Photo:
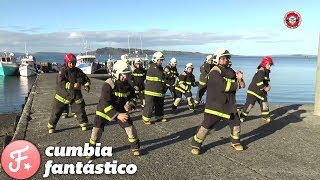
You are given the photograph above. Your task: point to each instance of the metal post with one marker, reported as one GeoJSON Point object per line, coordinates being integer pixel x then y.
{"type": "Point", "coordinates": [317, 96]}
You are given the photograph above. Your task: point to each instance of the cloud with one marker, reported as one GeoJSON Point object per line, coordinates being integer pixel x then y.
{"type": "Point", "coordinates": [73, 41]}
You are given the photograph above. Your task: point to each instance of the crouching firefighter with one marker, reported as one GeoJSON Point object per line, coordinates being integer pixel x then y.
{"type": "Point", "coordinates": [68, 91]}
{"type": "Point", "coordinates": [138, 78]}
{"type": "Point", "coordinates": [257, 90]}
{"type": "Point", "coordinates": [116, 100]}
{"type": "Point", "coordinates": [222, 85]}
{"type": "Point", "coordinates": [183, 86]}
{"type": "Point", "coordinates": [204, 70]}
{"type": "Point", "coordinates": [154, 92]}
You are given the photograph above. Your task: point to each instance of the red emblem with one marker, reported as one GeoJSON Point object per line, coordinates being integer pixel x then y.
{"type": "Point", "coordinates": [292, 19]}
{"type": "Point", "coordinates": [20, 159]}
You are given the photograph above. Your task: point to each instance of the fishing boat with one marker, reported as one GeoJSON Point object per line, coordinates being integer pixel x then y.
{"type": "Point", "coordinates": [87, 63]}
{"type": "Point", "coordinates": [8, 64]}
{"type": "Point", "coordinates": [28, 66]}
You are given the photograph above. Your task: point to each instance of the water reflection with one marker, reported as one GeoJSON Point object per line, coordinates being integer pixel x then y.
{"type": "Point", "coordinates": [13, 90]}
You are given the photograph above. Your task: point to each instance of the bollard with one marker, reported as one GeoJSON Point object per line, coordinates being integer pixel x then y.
{"type": "Point", "coordinates": [317, 96]}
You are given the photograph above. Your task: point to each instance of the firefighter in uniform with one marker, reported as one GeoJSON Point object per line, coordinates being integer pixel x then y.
{"type": "Point", "coordinates": [257, 90]}
{"type": "Point", "coordinates": [154, 92]}
{"type": "Point", "coordinates": [171, 73]}
{"type": "Point", "coordinates": [183, 86]}
{"type": "Point", "coordinates": [222, 85]}
{"type": "Point", "coordinates": [138, 78]}
{"type": "Point", "coordinates": [116, 100]}
{"type": "Point", "coordinates": [204, 70]}
{"type": "Point", "coordinates": [68, 91]}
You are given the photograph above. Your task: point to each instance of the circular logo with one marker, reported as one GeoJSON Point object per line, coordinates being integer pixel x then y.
{"type": "Point", "coordinates": [292, 19]}
{"type": "Point", "coordinates": [20, 159]}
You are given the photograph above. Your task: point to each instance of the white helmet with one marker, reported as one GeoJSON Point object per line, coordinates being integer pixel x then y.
{"type": "Point", "coordinates": [209, 58]}
{"type": "Point", "coordinates": [173, 61]}
{"type": "Point", "coordinates": [220, 53]}
{"type": "Point", "coordinates": [189, 65]}
{"type": "Point", "coordinates": [138, 61]}
{"type": "Point", "coordinates": [120, 67]}
{"type": "Point", "coordinates": [124, 57]}
{"type": "Point", "coordinates": [157, 56]}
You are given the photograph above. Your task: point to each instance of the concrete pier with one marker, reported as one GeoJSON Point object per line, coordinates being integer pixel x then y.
{"type": "Point", "coordinates": [287, 148]}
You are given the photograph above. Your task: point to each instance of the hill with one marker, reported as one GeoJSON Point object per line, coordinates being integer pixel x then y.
{"type": "Point", "coordinates": [118, 51]}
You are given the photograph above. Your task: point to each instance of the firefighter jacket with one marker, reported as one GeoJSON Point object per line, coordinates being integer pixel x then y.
{"type": "Point", "coordinates": [204, 70]}
{"type": "Point", "coordinates": [171, 75]}
{"type": "Point", "coordinates": [138, 77]}
{"type": "Point", "coordinates": [155, 82]}
{"type": "Point", "coordinates": [185, 81]}
{"type": "Point", "coordinates": [259, 81]}
{"type": "Point", "coordinates": [221, 91]}
{"type": "Point", "coordinates": [65, 92]}
{"type": "Point", "coordinates": [114, 95]}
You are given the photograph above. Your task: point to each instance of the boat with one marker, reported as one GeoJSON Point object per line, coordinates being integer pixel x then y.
{"type": "Point", "coordinates": [87, 63]}
{"type": "Point", "coordinates": [8, 64]}
{"type": "Point", "coordinates": [28, 66]}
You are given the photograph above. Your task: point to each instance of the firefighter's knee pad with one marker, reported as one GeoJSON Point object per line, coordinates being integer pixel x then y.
{"type": "Point", "coordinates": [95, 135]}
{"type": "Point", "coordinates": [202, 132]}
{"type": "Point", "coordinates": [250, 106]}
{"type": "Point", "coordinates": [176, 101]}
{"type": "Point", "coordinates": [190, 101]}
{"type": "Point", "coordinates": [236, 130]}
{"type": "Point", "coordinates": [265, 106]}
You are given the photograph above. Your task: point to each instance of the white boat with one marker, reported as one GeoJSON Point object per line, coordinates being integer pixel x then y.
{"type": "Point", "coordinates": [8, 64]}
{"type": "Point", "coordinates": [28, 66]}
{"type": "Point", "coordinates": [87, 63]}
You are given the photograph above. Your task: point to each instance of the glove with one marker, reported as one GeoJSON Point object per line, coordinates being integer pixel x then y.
{"type": "Point", "coordinates": [196, 83]}
{"type": "Point", "coordinates": [87, 88]}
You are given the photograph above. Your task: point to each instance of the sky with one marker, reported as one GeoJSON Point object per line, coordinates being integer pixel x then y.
{"type": "Point", "coordinates": [243, 27]}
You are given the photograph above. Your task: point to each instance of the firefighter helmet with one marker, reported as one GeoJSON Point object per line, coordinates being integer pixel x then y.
{"type": "Point", "coordinates": [138, 61]}
{"type": "Point", "coordinates": [173, 61]}
{"type": "Point", "coordinates": [266, 60]}
{"type": "Point", "coordinates": [221, 52]}
{"type": "Point", "coordinates": [120, 67]}
{"type": "Point", "coordinates": [124, 57]}
{"type": "Point", "coordinates": [70, 58]}
{"type": "Point", "coordinates": [209, 58]}
{"type": "Point", "coordinates": [157, 56]}
{"type": "Point", "coordinates": [189, 65]}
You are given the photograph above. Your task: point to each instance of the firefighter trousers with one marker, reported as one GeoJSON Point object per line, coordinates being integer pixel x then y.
{"type": "Point", "coordinates": [200, 92]}
{"type": "Point", "coordinates": [172, 90]}
{"type": "Point", "coordinates": [140, 94]}
{"type": "Point", "coordinates": [153, 102]}
{"type": "Point", "coordinates": [250, 101]}
{"type": "Point", "coordinates": [210, 121]}
{"type": "Point", "coordinates": [59, 107]}
{"type": "Point", "coordinates": [98, 127]}
{"type": "Point", "coordinates": [178, 98]}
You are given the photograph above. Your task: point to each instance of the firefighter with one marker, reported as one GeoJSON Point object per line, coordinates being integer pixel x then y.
{"type": "Point", "coordinates": [183, 86]}
{"type": "Point", "coordinates": [171, 73]}
{"type": "Point", "coordinates": [258, 90]}
{"type": "Point", "coordinates": [154, 92]}
{"type": "Point", "coordinates": [68, 91]}
{"type": "Point", "coordinates": [138, 78]}
{"type": "Point", "coordinates": [116, 100]}
{"type": "Point", "coordinates": [222, 85]}
{"type": "Point", "coordinates": [204, 70]}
